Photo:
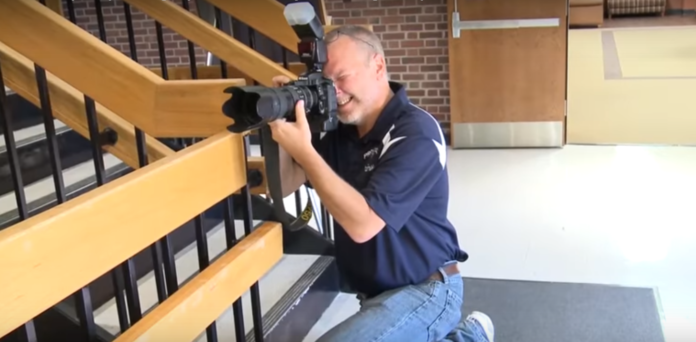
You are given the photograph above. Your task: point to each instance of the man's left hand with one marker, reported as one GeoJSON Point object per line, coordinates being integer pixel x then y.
{"type": "Point", "coordinates": [294, 137]}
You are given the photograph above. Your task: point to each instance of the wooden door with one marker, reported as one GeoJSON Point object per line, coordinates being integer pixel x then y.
{"type": "Point", "coordinates": [508, 73]}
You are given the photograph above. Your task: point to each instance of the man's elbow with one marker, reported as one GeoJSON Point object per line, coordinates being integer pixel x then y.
{"type": "Point", "coordinates": [365, 231]}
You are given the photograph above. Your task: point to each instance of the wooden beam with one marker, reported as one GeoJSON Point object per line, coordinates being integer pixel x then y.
{"type": "Point", "coordinates": [323, 13]}
{"type": "Point", "coordinates": [202, 300]}
{"type": "Point", "coordinates": [80, 59]}
{"type": "Point", "coordinates": [264, 16]}
{"type": "Point", "coordinates": [213, 72]}
{"type": "Point", "coordinates": [68, 106]}
{"type": "Point", "coordinates": [271, 24]}
{"type": "Point", "coordinates": [247, 60]}
{"type": "Point", "coordinates": [109, 77]}
{"type": "Point", "coordinates": [180, 107]}
{"type": "Point", "coordinates": [76, 242]}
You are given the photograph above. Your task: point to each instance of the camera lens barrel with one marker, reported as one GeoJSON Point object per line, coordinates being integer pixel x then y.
{"type": "Point", "coordinates": [252, 106]}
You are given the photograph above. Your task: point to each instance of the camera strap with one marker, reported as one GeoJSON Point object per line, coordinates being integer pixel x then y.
{"type": "Point", "coordinates": [271, 155]}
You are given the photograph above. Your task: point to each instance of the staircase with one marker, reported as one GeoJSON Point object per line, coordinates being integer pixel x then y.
{"type": "Point", "coordinates": [115, 161]}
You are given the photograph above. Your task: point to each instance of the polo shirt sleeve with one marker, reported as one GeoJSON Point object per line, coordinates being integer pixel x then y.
{"type": "Point", "coordinates": [407, 169]}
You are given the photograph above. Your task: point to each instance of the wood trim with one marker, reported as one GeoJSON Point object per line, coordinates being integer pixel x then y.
{"type": "Point", "coordinates": [76, 242]}
{"type": "Point", "coordinates": [68, 105]}
{"type": "Point", "coordinates": [203, 299]}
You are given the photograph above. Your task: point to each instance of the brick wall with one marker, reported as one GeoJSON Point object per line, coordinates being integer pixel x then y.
{"type": "Point", "coordinates": [414, 34]}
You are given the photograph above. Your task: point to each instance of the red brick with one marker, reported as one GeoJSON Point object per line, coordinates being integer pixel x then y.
{"type": "Point", "coordinates": [393, 20]}
{"type": "Point", "coordinates": [412, 43]}
{"type": "Point", "coordinates": [411, 10]}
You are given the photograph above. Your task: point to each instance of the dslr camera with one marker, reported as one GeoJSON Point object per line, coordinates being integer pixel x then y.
{"type": "Point", "coordinates": [252, 107]}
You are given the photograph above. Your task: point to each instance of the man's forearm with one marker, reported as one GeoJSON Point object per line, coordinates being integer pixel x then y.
{"type": "Point", "coordinates": [291, 174]}
{"type": "Point", "coordinates": [343, 202]}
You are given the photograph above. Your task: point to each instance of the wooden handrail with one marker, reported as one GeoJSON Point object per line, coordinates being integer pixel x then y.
{"type": "Point", "coordinates": [109, 77]}
{"type": "Point", "coordinates": [76, 242]}
{"type": "Point", "coordinates": [202, 300]}
{"type": "Point", "coordinates": [68, 106]}
{"type": "Point", "coordinates": [213, 72]}
{"type": "Point", "coordinates": [271, 23]}
{"type": "Point", "coordinates": [232, 51]}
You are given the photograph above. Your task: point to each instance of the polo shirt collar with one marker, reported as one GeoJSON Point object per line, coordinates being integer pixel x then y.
{"type": "Point", "coordinates": [387, 117]}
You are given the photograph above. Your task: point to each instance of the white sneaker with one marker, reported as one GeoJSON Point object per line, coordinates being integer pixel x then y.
{"type": "Point", "coordinates": [484, 322]}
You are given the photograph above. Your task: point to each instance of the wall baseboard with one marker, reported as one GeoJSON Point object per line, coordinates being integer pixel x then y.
{"type": "Point", "coordinates": [680, 11]}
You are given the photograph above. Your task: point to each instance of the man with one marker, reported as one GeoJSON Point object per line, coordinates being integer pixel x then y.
{"type": "Point", "coordinates": [383, 178]}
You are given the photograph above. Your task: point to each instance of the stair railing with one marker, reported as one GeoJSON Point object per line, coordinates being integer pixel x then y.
{"type": "Point", "coordinates": [52, 256]}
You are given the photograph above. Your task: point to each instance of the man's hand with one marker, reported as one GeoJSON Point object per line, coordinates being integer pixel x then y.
{"type": "Point", "coordinates": [294, 137]}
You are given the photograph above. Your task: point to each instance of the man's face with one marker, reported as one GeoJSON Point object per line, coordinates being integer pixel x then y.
{"type": "Point", "coordinates": [356, 73]}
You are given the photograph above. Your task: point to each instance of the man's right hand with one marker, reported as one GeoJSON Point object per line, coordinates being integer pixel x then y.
{"type": "Point", "coordinates": [292, 175]}
{"type": "Point", "coordinates": [280, 81]}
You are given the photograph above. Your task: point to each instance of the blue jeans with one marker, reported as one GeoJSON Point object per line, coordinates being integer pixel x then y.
{"type": "Point", "coordinates": [427, 312]}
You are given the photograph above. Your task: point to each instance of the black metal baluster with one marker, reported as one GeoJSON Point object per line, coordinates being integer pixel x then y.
{"type": "Point", "coordinates": [191, 49]}
{"type": "Point", "coordinates": [326, 222]}
{"type": "Point", "coordinates": [127, 267]}
{"type": "Point", "coordinates": [248, 225]}
{"type": "Point", "coordinates": [84, 306]}
{"type": "Point", "coordinates": [203, 263]}
{"type": "Point", "coordinates": [192, 68]}
{"type": "Point", "coordinates": [166, 282]}
{"type": "Point", "coordinates": [231, 238]}
{"type": "Point", "coordinates": [218, 25]}
{"type": "Point", "coordinates": [163, 245]}
{"type": "Point", "coordinates": [82, 297]}
{"type": "Point", "coordinates": [28, 331]}
{"type": "Point", "coordinates": [248, 218]}
{"type": "Point", "coordinates": [201, 236]}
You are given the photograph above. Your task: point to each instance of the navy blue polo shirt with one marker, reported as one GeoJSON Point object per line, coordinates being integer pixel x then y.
{"type": "Point", "coordinates": [399, 167]}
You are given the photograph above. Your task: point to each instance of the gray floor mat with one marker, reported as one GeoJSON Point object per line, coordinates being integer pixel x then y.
{"type": "Point", "coordinates": [527, 311]}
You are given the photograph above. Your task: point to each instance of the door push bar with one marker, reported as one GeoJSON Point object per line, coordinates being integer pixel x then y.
{"type": "Point", "coordinates": [458, 25]}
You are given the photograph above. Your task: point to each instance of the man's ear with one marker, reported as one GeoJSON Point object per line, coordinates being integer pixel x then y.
{"type": "Point", "coordinates": [380, 65]}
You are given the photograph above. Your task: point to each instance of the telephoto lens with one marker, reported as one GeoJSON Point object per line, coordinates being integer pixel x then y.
{"type": "Point", "coordinates": [254, 106]}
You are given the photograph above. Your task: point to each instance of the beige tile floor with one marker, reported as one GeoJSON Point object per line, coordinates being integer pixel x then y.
{"type": "Point", "coordinates": [632, 85]}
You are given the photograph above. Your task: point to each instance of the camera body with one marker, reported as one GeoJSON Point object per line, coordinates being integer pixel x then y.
{"type": "Point", "coordinates": [252, 107]}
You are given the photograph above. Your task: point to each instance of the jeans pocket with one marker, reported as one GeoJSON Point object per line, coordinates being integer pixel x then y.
{"type": "Point", "coordinates": [429, 288]}
{"type": "Point", "coordinates": [447, 319]}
